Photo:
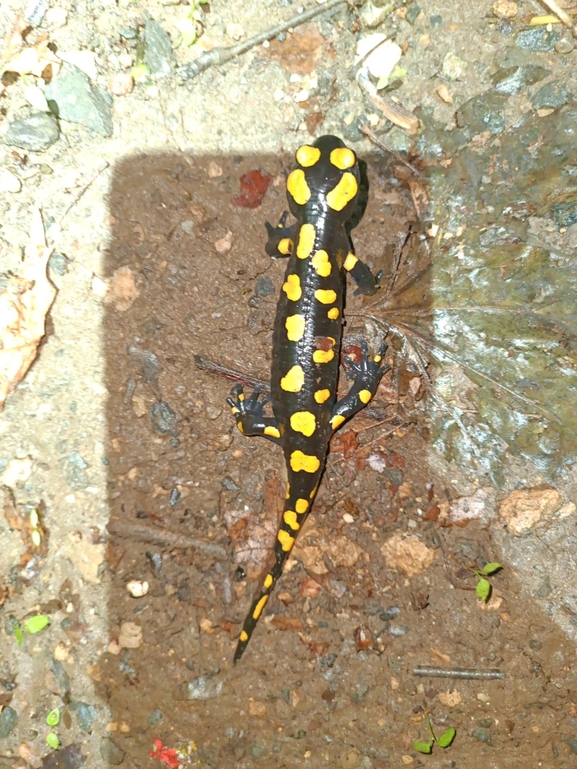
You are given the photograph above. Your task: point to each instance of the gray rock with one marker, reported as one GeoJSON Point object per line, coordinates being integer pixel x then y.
{"type": "Point", "coordinates": [483, 113]}
{"type": "Point", "coordinates": [202, 688]}
{"type": "Point", "coordinates": [86, 715]}
{"type": "Point", "coordinates": [110, 752]}
{"type": "Point", "coordinates": [155, 716]}
{"type": "Point", "coordinates": [158, 53]}
{"type": "Point", "coordinates": [565, 214]}
{"type": "Point", "coordinates": [566, 43]}
{"type": "Point", "coordinates": [71, 96]}
{"type": "Point", "coordinates": [514, 79]}
{"type": "Point", "coordinates": [76, 474]}
{"type": "Point", "coordinates": [163, 418]}
{"type": "Point", "coordinates": [537, 39]}
{"type": "Point", "coordinates": [551, 95]}
{"type": "Point", "coordinates": [8, 721]}
{"type": "Point", "coordinates": [34, 133]}
{"type": "Point", "coordinates": [69, 757]}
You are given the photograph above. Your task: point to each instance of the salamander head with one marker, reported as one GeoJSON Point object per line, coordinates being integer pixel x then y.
{"type": "Point", "coordinates": [326, 178]}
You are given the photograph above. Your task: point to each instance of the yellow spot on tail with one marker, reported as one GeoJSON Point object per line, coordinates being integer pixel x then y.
{"type": "Point", "coordinates": [303, 422]}
{"type": "Point", "coordinates": [240, 427]}
{"type": "Point", "coordinates": [378, 358]}
{"type": "Point", "coordinates": [314, 491]}
{"type": "Point", "coordinates": [259, 607]}
{"type": "Point", "coordinates": [293, 381]}
{"type": "Point", "coordinates": [325, 296]}
{"type": "Point", "coordinates": [333, 313]}
{"type": "Point", "coordinates": [306, 243]}
{"type": "Point", "coordinates": [345, 191]}
{"type": "Point", "coordinates": [290, 518]}
{"type": "Point", "coordinates": [306, 462]}
{"type": "Point", "coordinates": [298, 188]}
{"type": "Point", "coordinates": [350, 261]}
{"type": "Point", "coordinates": [243, 636]}
{"type": "Point", "coordinates": [274, 432]}
{"type": "Point", "coordinates": [295, 327]}
{"type": "Point", "coordinates": [322, 395]}
{"type": "Point", "coordinates": [343, 158]}
{"type": "Point", "coordinates": [307, 155]}
{"type": "Point", "coordinates": [323, 356]}
{"type": "Point", "coordinates": [288, 491]}
{"type": "Point", "coordinates": [320, 262]}
{"type": "Point", "coordinates": [365, 396]}
{"type": "Point", "coordinates": [268, 580]}
{"type": "Point", "coordinates": [337, 421]}
{"type": "Point", "coordinates": [292, 287]}
{"type": "Point", "coordinates": [285, 246]}
{"type": "Point", "coordinates": [301, 506]}
{"type": "Point", "coordinates": [286, 541]}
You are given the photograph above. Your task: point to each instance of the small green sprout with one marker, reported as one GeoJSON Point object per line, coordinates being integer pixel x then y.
{"type": "Point", "coordinates": [52, 740]}
{"type": "Point", "coordinates": [484, 587]}
{"type": "Point", "coordinates": [443, 741]}
{"type": "Point", "coordinates": [32, 625]}
{"type": "Point", "coordinates": [53, 718]}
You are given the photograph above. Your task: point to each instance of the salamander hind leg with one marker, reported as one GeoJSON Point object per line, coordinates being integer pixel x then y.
{"type": "Point", "coordinates": [367, 374]}
{"type": "Point", "coordinates": [249, 415]}
{"type": "Point", "coordinates": [280, 241]}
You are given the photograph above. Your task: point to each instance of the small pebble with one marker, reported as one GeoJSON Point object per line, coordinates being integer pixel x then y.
{"type": "Point", "coordinates": [137, 588]}
{"type": "Point", "coordinates": [121, 83]}
{"type": "Point", "coordinates": [110, 752]}
{"type": "Point", "coordinates": [9, 182]}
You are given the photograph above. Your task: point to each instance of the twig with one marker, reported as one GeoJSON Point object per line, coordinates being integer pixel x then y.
{"type": "Point", "coordinates": [158, 535]}
{"type": "Point", "coordinates": [563, 15]}
{"type": "Point", "coordinates": [463, 673]}
{"type": "Point", "coordinates": [222, 55]}
{"type": "Point", "coordinates": [79, 194]}
{"type": "Point", "coordinates": [390, 109]}
{"type": "Point", "coordinates": [364, 128]}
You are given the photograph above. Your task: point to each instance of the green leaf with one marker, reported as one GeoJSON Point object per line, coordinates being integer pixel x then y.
{"type": "Point", "coordinates": [187, 28]}
{"type": "Point", "coordinates": [423, 747]}
{"type": "Point", "coordinates": [18, 635]}
{"type": "Point", "coordinates": [53, 717]}
{"type": "Point", "coordinates": [447, 738]}
{"type": "Point", "coordinates": [52, 740]}
{"type": "Point", "coordinates": [37, 623]}
{"type": "Point", "coordinates": [140, 73]}
{"type": "Point", "coordinates": [491, 568]}
{"type": "Point", "coordinates": [484, 589]}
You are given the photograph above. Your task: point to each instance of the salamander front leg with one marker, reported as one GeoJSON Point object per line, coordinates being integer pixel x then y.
{"type": "Point", "coordinates": [249, 416]}
{"type": "Point", "coordinates": [367, 282]}
{"type": "Point", "coordinates": [280, 241]}
{"type": "Point", "coordinates": [367, 375]}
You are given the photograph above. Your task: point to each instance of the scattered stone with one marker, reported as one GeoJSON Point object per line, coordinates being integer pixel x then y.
{"type": "Point", "coordinates": [130, 636]}
{"type": "Point", "coordinates": [552, 95]}
{"type": "Point", "coordinates": [390, 613]}
{"type": "Point", "coordinates": [86, 715]}
{"type": "Point", "coordinates": [8, 721]}
{"type": "Point", "coordinates": [453, 66]}
{"type": "Point", "coordinates": [174, 497]}
{"type": "Point", "coordinates": [34, 133]}
{"type": "Point", "coordinates": [57, 17]}
{"type": "Point", "coordinates": [407, 553]}
{"type": "Point", "coordinates": [514, 79]}
{"type": "Point", "coordinates": [137, 588]}
{"type": "Point", "coordinates": [465, 509]}
{"type": "Point", "coordinates": [371, 15]}
{"type": "Point", "coordinates": [121, 83]}
{"type": "Point", "coordinates": [202, 688]}
{"type": "Point", "coordinates": [565, 214]}
{"type": "Point", "coordinates": [164, 419]}
{"type": "Point", "coordinates": [122, 289]}
{"type": "Point", "coordinates": [505, 9]}
{"type": "Point", "coordinates": [436, 21]}
{"type": "Point", "coordinates": [9, 182]}
{"type": "Point", "coordinates": [544, 590]}
{"type": "Point", "coordinates": [58, 263]}
{"type": "Point", "coordinates": [482, 735]}
{"type": "Point", "coordinates": [350, 760]}
{"type": "Point", "coordinates": [73, 97]}
{"type": "Point", "coordinates": [257, 709]}
{"type": "Point", "coordinates": [566, 42]}
{"type": "Point", "coordinates": [413, 12]}
{"type": "Point", "coordinates": [86, 556]}
{"type": "Point", "coordinates": [158, 53]}
{"type": "Point", "coordinates": [110, 751]}
{"type": "Point", "coordinates": [444, 93]}
{"type": "Point", "coordinates": [398, 630]}
{"type": "Point", "coordinates": [527, 509]}
{"type": "Point", "coordinates": [69, 757]}
{"type": "Point", "coordinates": [57, 680]}
{"type": "Point", "coordinates": [258, 751]}
{"type": "Point", "coordinates": [265, 286]}
{"type": "Point", "coordinates": [572, 744]}
{"type": "Point", "coordinates": [155, 716]}
{"type": "Point", "coordinates": [537, 39]}
{"type": "Point", "coordinates": [450, 699]}
{"type": "Point", "coordinates": [76, 475]}
{"type": "Point", "coordinates": [483, 113]}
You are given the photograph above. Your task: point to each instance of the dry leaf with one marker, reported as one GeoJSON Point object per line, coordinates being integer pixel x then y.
{"type": "Point", "coordinates": [33, 60]}
{"type": "Point", "coordinates": [301, 51]}
{"type": "Point", "coordinates": [24, 304]}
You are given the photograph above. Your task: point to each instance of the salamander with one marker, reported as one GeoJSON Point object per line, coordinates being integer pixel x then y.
{"type": "Point", "coordinates": [322, 192]}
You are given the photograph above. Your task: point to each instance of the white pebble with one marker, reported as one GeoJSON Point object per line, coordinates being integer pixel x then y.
{"type": "Point", "coordinates": [137, 589]}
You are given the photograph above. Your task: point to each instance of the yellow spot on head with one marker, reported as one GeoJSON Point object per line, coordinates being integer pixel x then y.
{"type": "Point", "coordinates": [303, 422]}
{"type": "Point", "coordinates": [274, 432]}
{"type": "Point", "coordinates": [322, 395]}
{"type": "Point", "coordinates": [286, 541]}
{"type": "Point", "coordinates": [350, 261]}
{"type": "Point", "coordinates": [243, 636]}
{"type": "Point", "coordinates": [343, 158]}
{"type": "Point", "coordinates": [323, 356]}
{"type": "Point", "coordinates": [333, 313]}
{"type": "Point", "coordinates": [307, 235]}
{"type": "Point", "coordinates": [365, 396]}
{"type": "Point", "coordinates": [326, 296]}
{"type": "Point", "coordinates": [320, 262]}
{"type": "Point", "coordinates": [295, 327]}
{"type": "Point", "coordinates": [306, 462]}
{"type": "Point", "coordinates": [307, 155]}
{"type": "Point", "coordinates": [337, 421]}
{"type": "Point", "coordinates": [298, 188]}
{"type": "Point", "coordinates": [240, 427]}
{"type": "Point", "coordinates": [285, 246]}
{"type": "Point", "coordinates": [292, 287]}
{"type": "Point", "coordinates": [293, 381]}
{"type": "Point", "coordinates": [345, 191]}
{"type": "Point", "coordinates": [268, 580]}
{"type": "Point", "coordinates": [302, 505]}
{"type": "Point", "coordinates": [259, 607]}
{"type": "Point", "coordinates": [290, 518]}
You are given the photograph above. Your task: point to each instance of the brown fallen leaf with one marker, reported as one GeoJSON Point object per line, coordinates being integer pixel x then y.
{"type": "Point", "coordinates": [33, 60]}
{"type": "Point", "coordinates": [301, 51]}
{"type": "Point", "coordinates": [24, 304]}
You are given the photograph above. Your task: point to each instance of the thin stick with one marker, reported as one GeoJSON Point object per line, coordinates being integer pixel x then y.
{"type": "Point", "coordinates": [158, 535]}
{"type": "Point", "coordinates": [79, 194]}
{"type": "Point", "coordinates": [563, 15]}
{"type": "Point", "coordinates": [463, 673]}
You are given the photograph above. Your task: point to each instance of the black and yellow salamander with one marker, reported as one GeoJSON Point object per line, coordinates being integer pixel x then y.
{"type": "Point", "coordinates": [322, 192]}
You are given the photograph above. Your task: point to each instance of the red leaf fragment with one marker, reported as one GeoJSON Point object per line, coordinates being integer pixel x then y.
{"type": "Point", "coordinates": [166, 756]}
{"type": "Point", "coordinates": [253, 187]}
{"type": "Point", "coordinates": [363, 638]}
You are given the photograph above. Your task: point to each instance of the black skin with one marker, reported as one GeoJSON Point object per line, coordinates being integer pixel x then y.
{"type": "Point", "coordinates": [321, 335]}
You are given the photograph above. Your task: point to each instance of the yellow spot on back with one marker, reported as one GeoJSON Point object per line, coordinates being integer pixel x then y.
{"type": "Point", "coordinates": [243, 636]}
{"type": "Point", "coordinates": [290, 518]}
{"type": "Point", "coordinates": [320, 262]}
{"type": "Point", "coordinates": [337, 421]}
{"type": "Point", "coordinates": [343, 158]}
{"type": "Point", "coordinates": [292, 287]}
{"type": "Point", "coordinates": [307, 155]}
{"type": "Point", "coordinates": [333, 313]}
{"type": "Point", "coordinates": [345, 191]}
{"type": "Point", "coordinates": [326, 296]}
{"type": "Point", "coordinates": [240, 427]}
{"type": "Point", "coordinates": [259, 607]}
{"type": "Point", "coordinates": [286, 541]}
{"type": "Point", "coordinates": [306, 242]}
{"type": "Point", "coordinates": [323, 356]}
{"type": "Point", "coordinates": [288, 491]}
{"type": "Point", "coordinates": [293, 381]}
{"type": "Point", "coordinates": [268, 580]}
{"type": "Point", "coordinates": [285, 246]}
{"type": "Point", "coordinates": [303, 422]}
{"type": "Point", "coordinates": [306, 462]}
{"type": "Point", "coordinates": [350, 261]}
{"type": "Point", "coordinates": [365, 396]}
{"type": "Point", "coordinates": [274, 432]}
{"type": "Point", "coordinates": [302, 505]}
{"type": "Point", "coordinates": [295, 327]}
{"type": "Point", "coordinates": [322, 395]}
{"type": "Point", "coordinates": [314, 491]}
{"type": "Point", "coordinates": [298, 188]}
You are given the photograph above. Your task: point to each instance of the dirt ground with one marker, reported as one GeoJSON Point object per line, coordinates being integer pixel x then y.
{"type": "Point", "coordinates": [157, 516]}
